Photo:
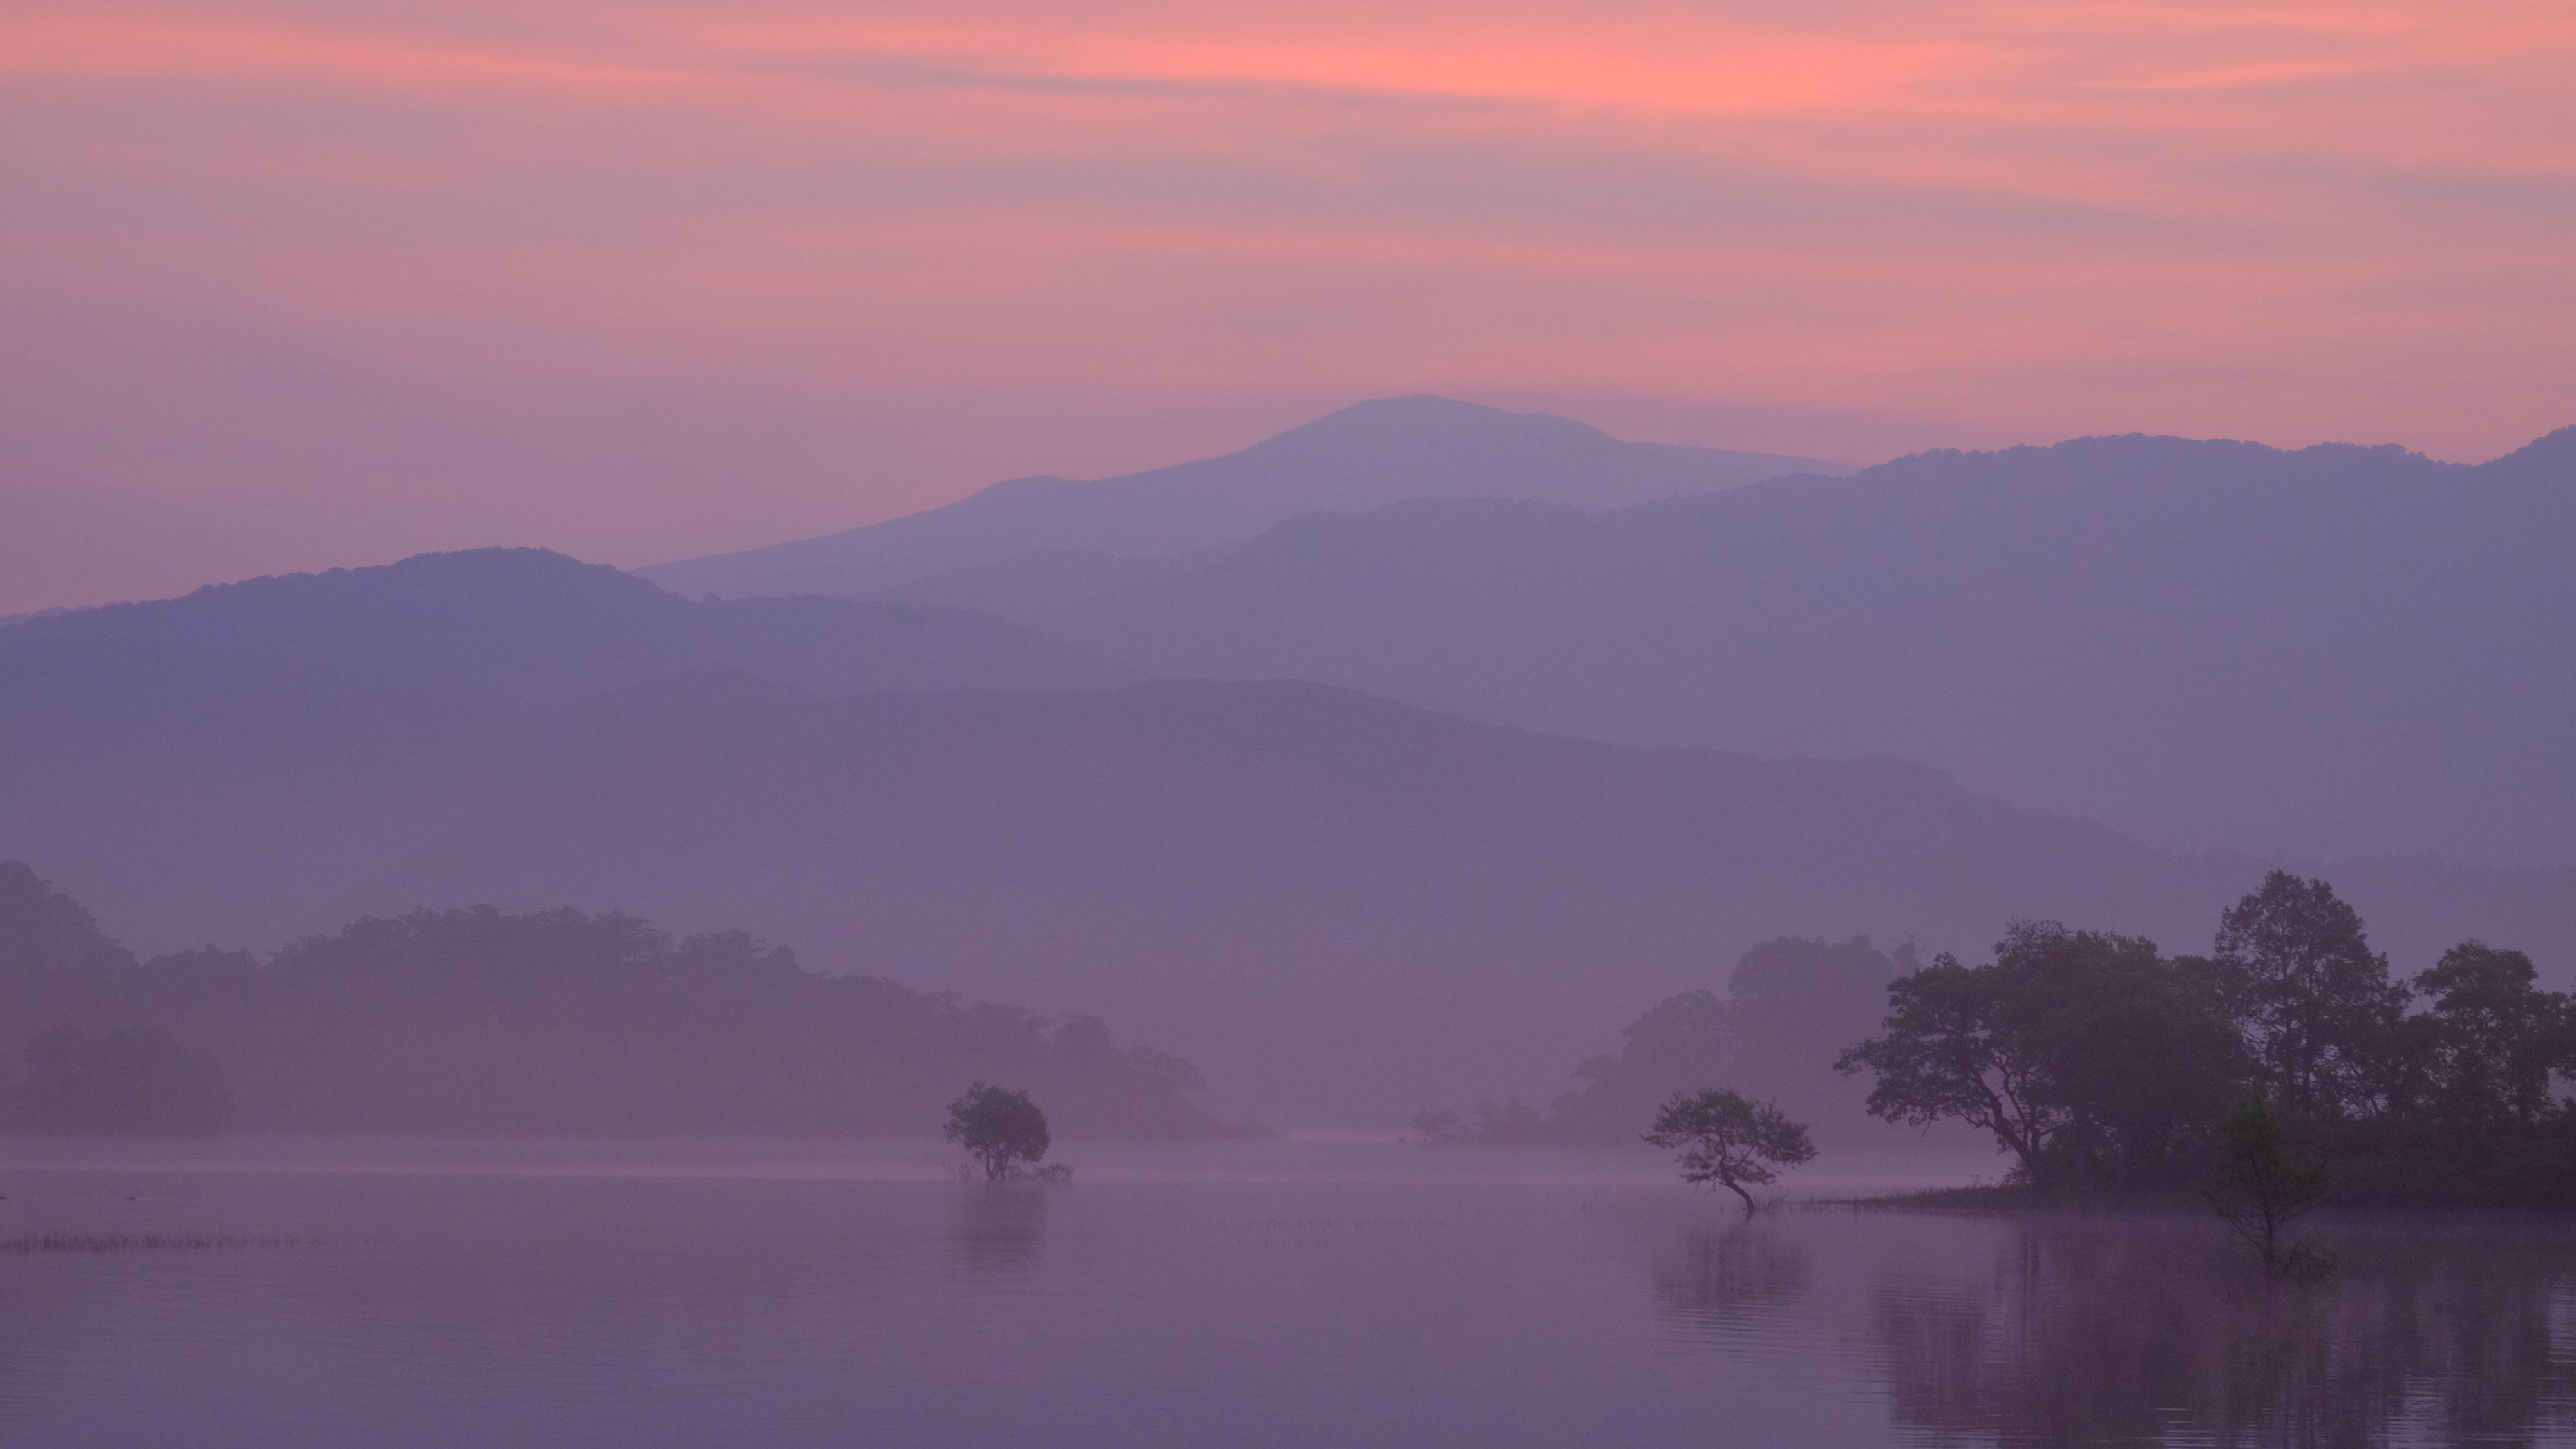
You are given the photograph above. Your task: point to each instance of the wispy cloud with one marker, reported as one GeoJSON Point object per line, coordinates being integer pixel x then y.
{"type": "Point", "coordinates": [2275, 218]}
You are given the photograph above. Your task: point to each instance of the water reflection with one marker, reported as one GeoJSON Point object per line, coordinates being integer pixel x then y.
{"type": "Point", "coordinates": [1164, 1311]}
{"type": "Point", "coordinates": [2143, 1330]}
{"type": "Point", "coordinates": [1724, 1281]}
{"type": "Point", "coordinates": [997, 1230]}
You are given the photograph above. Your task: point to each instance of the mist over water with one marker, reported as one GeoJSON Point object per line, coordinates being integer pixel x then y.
{"type": "Point", "coordinates": [1264, 726]}
{"type": "Point", "coordinates": [1290, 1292]}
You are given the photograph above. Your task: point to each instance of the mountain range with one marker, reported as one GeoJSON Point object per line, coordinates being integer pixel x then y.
{"type": "Point", "coordinates": [2211, 645]}
{"type": "Point", "coordinates": [1399, 804]}
{"type": "Point", "coordinates": [1343, 908]}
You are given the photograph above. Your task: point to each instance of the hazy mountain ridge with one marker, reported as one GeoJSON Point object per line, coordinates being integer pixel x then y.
{"type": "Point", "coordinates": [2334, 650]}
{"type": "Point", "coordinates": [183, 753]}
{"type": "Point", "coordinates": [1255, 873]}
{"type": "Point", "coordinates": [533, 626]}
{"type": "Point", "coordinates": [1258, 876]}
{"type": "Point", "coordinates": [1361, 457]}
{"type": "Point", "coordinates": [480, 1021]}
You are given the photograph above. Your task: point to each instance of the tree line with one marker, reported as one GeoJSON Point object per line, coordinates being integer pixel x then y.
{"type": "Point", "coordinates": [481, 1020]}
{"type": "Point", "coordinates": [2097, 1062]}
{"type": "Point", "coordinates": [2101, 1065]}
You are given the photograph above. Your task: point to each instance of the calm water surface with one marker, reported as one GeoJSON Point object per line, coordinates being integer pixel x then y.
{"type": "Point", "coordinates": [1244, 1294]}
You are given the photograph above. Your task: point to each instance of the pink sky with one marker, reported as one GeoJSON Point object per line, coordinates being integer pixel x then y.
{"type": "Point", "coordinates": [296, 284]}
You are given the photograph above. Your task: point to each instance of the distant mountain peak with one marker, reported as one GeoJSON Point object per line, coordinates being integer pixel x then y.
{"type": "Point", "coordinates": [1359, 458]}
{"type": "Point", "coordinates": [1426, 417]}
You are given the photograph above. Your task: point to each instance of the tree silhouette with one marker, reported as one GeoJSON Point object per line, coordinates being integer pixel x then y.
{"type": "Point", "coordinates": [1726, 1138]}
{"type": "Point", "coordinates": [2314, 1002]}
{"type": "Point", "coordinates": [2086, 1054]}
{"type": "Point", "coordinates": [2490, 1038]}
{"type": "Point", "coordinates": [1001, 1129]}
{"type": "Point", "coordinates": [1949, 1051]}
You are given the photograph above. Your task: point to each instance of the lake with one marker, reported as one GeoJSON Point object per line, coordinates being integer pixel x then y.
{"type": "Point", "coordinates": [1292, 1292]}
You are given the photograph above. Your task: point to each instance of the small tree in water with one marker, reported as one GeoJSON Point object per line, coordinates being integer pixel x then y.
{"type": "Point", "coordinates": [1001, 1129]}
{"type": "Point", "coordinates": [2265, 1186]}
{"type": "Point", "coordinates": [1726, 1138]}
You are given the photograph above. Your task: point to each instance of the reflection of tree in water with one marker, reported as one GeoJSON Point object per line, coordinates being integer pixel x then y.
{"type": "Point", "coordinates": [1724, 1280]}
{"type": "Point", "coordinates": [997, 1229]}
{"type": "Point", "coordinates": [2121, 1330]}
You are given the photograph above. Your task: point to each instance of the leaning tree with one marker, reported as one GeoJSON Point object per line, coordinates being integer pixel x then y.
{"type": "Point", "coordinates": [1724, 1137]}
